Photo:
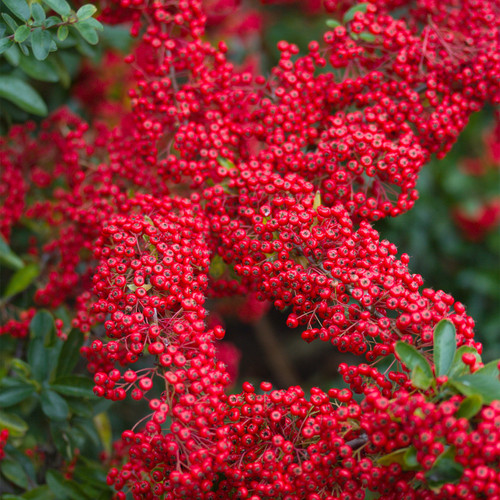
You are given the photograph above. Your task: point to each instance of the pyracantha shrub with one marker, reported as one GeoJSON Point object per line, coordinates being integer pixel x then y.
{"type": "Point", "coordinates": [221, 181]}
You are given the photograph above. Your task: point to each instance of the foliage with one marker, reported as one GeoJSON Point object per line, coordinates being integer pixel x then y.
{"type": "Point", "coordinates": [194, 177]}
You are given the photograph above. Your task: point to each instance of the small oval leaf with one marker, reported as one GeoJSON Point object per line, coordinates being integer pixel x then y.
{"type": "Point", "coordinates": [470, 406]}
{"type": "Point", "coordinates": [53, 405]}
{"type": "Point", "coordinates": [19, 8]}
{"type": "Point", "coordinates": [445, 346]}
{"type": "Point", "coordinates": [23, 95]}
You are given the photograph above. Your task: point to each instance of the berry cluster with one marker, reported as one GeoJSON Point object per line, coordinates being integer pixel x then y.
{"type": "Point", "coordinates": [220, 182]}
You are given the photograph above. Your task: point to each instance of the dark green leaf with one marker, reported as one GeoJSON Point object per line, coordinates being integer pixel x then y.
{"type": "Point", "coordinates": [470, 406]}
{"type": "Point", "coordinates": [420, 379]}
{"type": "Point", "coordinates": [86, 11]}
{"type": "Point", "coordinates": [38, 13]}
{"type": "Point", "coordinates": [62, 32]}
{"type": "Point", "coordinates": [42, 324]}
{"type": "Point", "coordinates": [38, 359]}
{"type": "Point", "coordinates": [349, 15]}
{"type": "Point", "coordinates": [62, 487]}
{"type": "Point", "coordinates": [41, 42]}
{"type": "Point", "coordinates": [14, 472]}
{"type": "Point", "coordinates": [410, 357]}
{"type": "Point", "coordinates": [395, 457]}
{"type": "Point", "coordinates": [15, 394]}
{"type": "Point", "coordinates": [94, 23]}
{"type": "Point", "coordinates": [445, 469]}
{"type": "Point", "coordinates": [20, 367]}
{"type": "Point", "coordinates": [22, 33]}
{"type": "Point", "coordinates": [80, 407]}
{"type": "Point", "coordinates": [484, 382]}
{"type": "Point", "coordinates": [11, 23]}
{"type": "Point", "coordinates": [19, 8]}
{"type": "Point", "coordinates": [5, 43]}
{"type": "Point", "coordinates": [445, 346]}
{"type": "Point", "coordinates": [22, 278]}
{"type": "Point", "coordinates": [70, 353]}
{"type": "Point", "coordinates": [40, 493]}
{"type": "Point", "coordinates": [410, 459]}
{"type": "Point", "coordinates": [23, 48]}
{"type": "Point", "coordinates": [74, 385]}
{"type": "Point", "coordinates": [39, 70]}
{"type": "Point", "coordinates": [16, 426]}
{"type": "Point", "coordinates": [333, 23]}
{"type": "Point", "coordinates": [60, 6]}
{"type": "Point", "coordinates": [53, 405]}
{"type": "Point", "coordinates": [23, 95]}
{"type": "Point", "coordinates": [13, 55]}
{"type": "Point", "coordinates": [52, 21]}
{"type": "Point", "coordinates": [367, 37]}
{"type": "Point", "coordinates": [458, 367]}
{"type": "Point", "coordinates": [7, 256]}
{"type": "Point", "coordinates": [87, 31]}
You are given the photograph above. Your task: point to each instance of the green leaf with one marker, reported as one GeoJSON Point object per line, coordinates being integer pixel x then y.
{"type": "Point", "coordinates": [445, 469]}
{"type": "Point", "coordinates": [420, 379]}
{"type": "Point", "coordinates": [395, 457]}
{"type": "Point", "coordinates": [11, 23]}
{"type": "Point", "coordinates": [5, 43]}
{"type": "Point", "coordinates": [62, 32]}
{"type": "Point", "coordinates": [94, 23]}
{"type": "Point", "coordinates": [411, 358]}
{"type": "Point", "coordinates": [217, 267]}
{"type": "Point", "coordinates": [458, 367]}
{"type": "Point", "coordinates": [484, 382]}
{"type": "Point", "coordinates": [16, 426]}
{"type": "Point", "coordinates": [14, 472]}
{"type": "Point", "coordinates": [445, 346]}
{"type": "Point", "coordinates": [40, 493]}
{"type": "Point", "coordinates": [19, 8]}
{"type": "Point", "coordinates": [53, 405]}
{"type": "Point", "coordinates": [86, 11]}
{"type": "Point", "coordinates": [39, 70]}
{"type": "Point", "coordinates": [22, 278]}
{"type": "Point", "coordinates": [13, 55]}
{"type": "Point", "coordinates": [23, 95]}
{"type": "Point", "coordinates": [74, 385]}
{"type": "Point", "coordinates": [41, 42]}
{"type": "Point", "coordinates": [349, 15]}
{"type": "Point", "coordinates": [70, 353]}
{"type": "Point", "coordinates": [87, 31]}
{"type": "Point", "coordinates": [7, 256]}
{"type": "Point", "coordinates": [38, 13]}
{"type": "Point", "coordinates": [333, 23]}
{"type": "Point", "coordinates": [470, 406]}
{"type": "Point", "coordinates": [22, 33]}
{"type": "Point", "coordinates": [60, 6]}
{"type": "Point", "coordinates": [38, 359]}
{"type": "Point", "coordinates": [367, 37]}
{"type": "Point", "coordinates": [62, 487]}
{"type": "Point", "coordinates": [42, 324]}
{"type": "Point", "coordinates": [410, 459]}
{"type": "Point", "coordinates": [12, 395]}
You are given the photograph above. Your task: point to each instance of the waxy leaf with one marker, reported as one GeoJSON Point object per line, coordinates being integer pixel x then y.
{"type": "Point", "coordinates": [86, 11]}
{"type": "Point", "coordinates": [445, 469]}
{"type": "Point", "coordinates": [458, 367]}
{"type": "Point", "coordinates": [53, 405]}
{"type": "Point", "coordinates": [421, 379]}
{"type": "Point", "coordinates": [14, 394]}
{"type": "Point", "coordinates": [349, 15]}
{"type": "Point", "coordinates": [333, 23]}
{"type": "Point", "coordinates": [22, 33]}
{"type": "Point", "coordinates": [470, 406]}
{"type": "Point", "coordinates": [42, 325]}
{"type": "Point", "coordinates": [74, 385]}
{"type": "Point", "coordinates": [14, 472]}
{"type": "Point", "coordinates": [41, 42]}
{"type": "Point", "coordinates": [60, 6]}
{"type": "Point", "coordinates": [445, 346]}
{"type": "Point", "coordinates": [23, 95]}
{"type": "Point", "coordinates": [70, 353]}
{"type": "Point", "coordinates": [484, 382]}
{"type": "Point", "coordinates": [38, 13]}
{"type": "Point", "coordinates": [411, 358]}
{"type": "Point", "coordinates": [19, 8]}
{"type": "Point", "coordinates": [7, 256]}
{"type": "Point", "coordinates": [16, 426]}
